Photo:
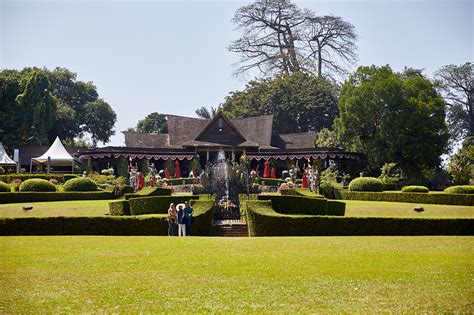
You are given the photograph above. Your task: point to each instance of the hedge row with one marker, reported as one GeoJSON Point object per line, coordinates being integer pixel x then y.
{"type": "Point", "coordinates": [148, 192]}
{"type": "Point", "coordinates": [17, 197]}
{"type": "Point", "coordinates": [304, 205]}
{"type": "Point", "coordinates": [264, 221]}
{"type": "Point", "coordinates": [181, 181]}
{"type": "Point", "coordinates": [60, 177]}
{"type": "Point", "coordinates": [271, 181]}
{"type": "Point", "coordinates": [156, 225]}
{"type": "Point", "coordinates": [147, 205]}
{"type": "Point", "coordinates": [430, 198]}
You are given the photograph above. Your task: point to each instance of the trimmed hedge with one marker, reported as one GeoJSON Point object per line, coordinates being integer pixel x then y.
{"type": "Point", "coordinates": [271, 181]}
{"type": "Point", "coordinates": [181, 181]}
{"type": "Point", "coordinates": [18, 197]}
{"type": "Point", "coordinates": [418, 189]}
{"type": "Point", "coordinates": [80, 184]}
{"type": "Point", "coordinates": [463, 189]}
{"type": "Point", "coordinates": [366, 184]}
{"type": "Point", "coordinates": [5, 187]}
{"type": "Point", "coordinates": [307, 193]}
{"type": "Point", "coordinates": [430, 198]}
{"type": "Point", "coordinates": [155, 225]}
{"type": "Point", "coordinates": [119, 207]}
{"type": "Point", "coordinates": [60, 177]}
{"type": "Point", "coordinates": [149, 191]}
{"type": "Point", "coordinates": [37, 185]}
{"type": "Point", "coordinates": [264, 221]}
{"type": "Point", "coordinates": [304, 205]}
{"type": "Point", "coordinates": [155, 205]}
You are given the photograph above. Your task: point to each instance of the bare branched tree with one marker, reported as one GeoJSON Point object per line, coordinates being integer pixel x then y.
{"type": "Point", "coordinates": [277, 36]}
{"type": "Point", "coordinates": [456, 84]}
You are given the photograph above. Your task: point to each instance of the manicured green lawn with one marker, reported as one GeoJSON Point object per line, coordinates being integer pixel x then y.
{"type": "Point", "coordinates": [56, 208]}
{"type": "Point", "coordinates": [359, 208]}
{"type": "Point", "coordinates": [288, 274]}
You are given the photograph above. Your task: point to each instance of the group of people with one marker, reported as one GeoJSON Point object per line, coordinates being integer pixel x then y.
{"type": "Point", "coordinates": [181, 216]}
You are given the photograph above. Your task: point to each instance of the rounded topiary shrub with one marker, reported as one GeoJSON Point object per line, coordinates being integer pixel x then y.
{"type": "Point", "coordinates": [80, 184]}
{"type": "Point", "coordinates": [37, 184]}
{"type": "Point", "coordinates": [4, 187]}
{"type": "Point", "coordinates": [464, 189]}
{"type": "Point", "coordinates": [417, 189]}
{"type": "Point", "coordinates": [366, 184]}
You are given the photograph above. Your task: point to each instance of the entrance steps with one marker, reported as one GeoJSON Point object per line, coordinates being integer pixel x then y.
{"type": "Point", "coordinates": [230, 229]}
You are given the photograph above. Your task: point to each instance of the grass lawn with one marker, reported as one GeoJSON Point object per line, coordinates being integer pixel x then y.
{"type": "Point", "coordinates": [56, 208]}
{"type": "Point", "coordinates": [283, 274]}
{"type": "Point", "coordinates": [359, 208]}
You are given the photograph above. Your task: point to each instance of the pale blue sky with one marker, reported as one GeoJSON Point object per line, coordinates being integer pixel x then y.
{"type": "Point", "coordinates": [171, 57]}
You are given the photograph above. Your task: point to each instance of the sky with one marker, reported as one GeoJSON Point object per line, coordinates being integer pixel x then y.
{"type": "Point", "coordinates": [171, 56]}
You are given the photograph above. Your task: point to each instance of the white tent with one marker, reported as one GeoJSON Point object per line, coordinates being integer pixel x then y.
{"type": "Point", "coordinates": [4, 158]}
{"type": "Point", "coordinates": [57, 155]}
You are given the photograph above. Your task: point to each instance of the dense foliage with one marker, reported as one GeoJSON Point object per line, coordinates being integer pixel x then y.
{"type": "Point", "coordinates": [298, 102]}
{"type": "Point", "coordinates": [80, 184]}
{"type": "Point", "coordinates": [152, 123]}
{"type": "Point", "coordinates": [461, 165]}
{"type": "Point", "coordinates": [366, 184]}
{"type": "Point", "coordinates": [393, 118]}
{"type": "Point", "coordinates": [39, 104]}
{"type": "Point", "coordinates": [462, 189]}
{"type": "Point", "coordinates": [37, 184]}
{"type": "Point", "coordinates": [416, 189]}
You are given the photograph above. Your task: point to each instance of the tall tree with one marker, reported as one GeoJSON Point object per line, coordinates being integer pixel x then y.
{"type": "Point", "coordinates": [299, 102]}
{"type": "Point", "coordinates": [392, 118]}
{"type": "Point", "coordinates": [277, 36]}
{"type": "Point", "coordinates": [21, 96]}
{"type": "Point", "coordinates": [154, 122]}
{"type": "Point", "coordinates": [100, 118]}
{"type": "Point", "coordinates": [456, 83]}
{"type": "Point", "coordinates": [37, 105]}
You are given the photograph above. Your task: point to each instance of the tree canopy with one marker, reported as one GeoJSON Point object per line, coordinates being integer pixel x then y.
{"type": "Point", "coordinates": [456, 83]}
{"type": "Point", "coordinates": [299, 102]}
{"type": "Point", "coordinates": [154, 122]}
{"type": "Point", "coordinates": [39, 104]}
{"type": "Point", "coordinates": [392, 118]}
{"type": "Point", "coordinates": [279, 37]}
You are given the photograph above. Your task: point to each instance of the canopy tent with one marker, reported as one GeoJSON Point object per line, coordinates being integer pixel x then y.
{"type": "Point", "coordinates": [56, 155]}
{"type": "Point", "coordinates": [4, 158]}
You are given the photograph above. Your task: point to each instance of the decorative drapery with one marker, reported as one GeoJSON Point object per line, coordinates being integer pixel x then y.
{"type": "Point", "coordinates": [139, 156]}
{"type": "Point", "coordinates": [290, 156]}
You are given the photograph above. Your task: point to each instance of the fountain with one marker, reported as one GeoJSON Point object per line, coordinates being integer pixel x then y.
{"type": "Point", "coordinates": [225, 180]}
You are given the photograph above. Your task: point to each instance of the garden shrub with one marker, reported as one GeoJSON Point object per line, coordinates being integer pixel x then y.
{"type": "Point", "coordinates": [4, 187]}
{"type": "Point", "coordinates": [149, 191]}
{"type": "Point", "coordinates": [80, 184]}
{"type": "Point", "coordinates": [302, 205]}
{"type": "Point", "coordinates": [37, 185]}
{"type": "Point", "coordinates": [463, 189]}
{"type": "Point", "coordinates": [430, 198]}
{"type": "Point", "coordinates": [19, 197]}
{"type": "Point", "coordinates": [366, 184]}
{"type": "Point", "coordinates": [415, 189]}
{"type": "Point", "coordinates": [103, 225]}
{"type": "Point", "coordinates": [264, 221]}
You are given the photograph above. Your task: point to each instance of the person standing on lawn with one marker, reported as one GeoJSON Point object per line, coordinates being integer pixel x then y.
{"type": "Point", "coordinates": [188, 211]}
{"type": "Point", "coordinates": [172, 219]}
{"type": "Point", "coordinates": [181, 221]}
